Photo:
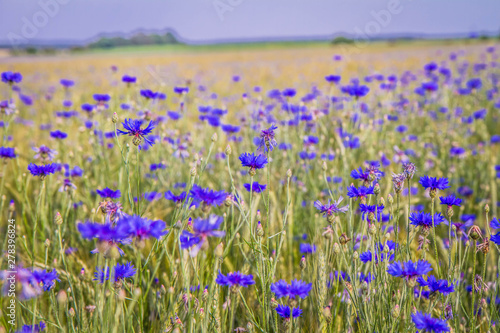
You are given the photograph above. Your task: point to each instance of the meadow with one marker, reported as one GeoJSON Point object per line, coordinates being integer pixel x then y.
{"type": "Point", "coordinates": [295, 188]}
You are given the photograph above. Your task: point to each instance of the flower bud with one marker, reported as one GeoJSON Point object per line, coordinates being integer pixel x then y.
{"type": "Point", "coordinates": [487, 208]}
{"type": "Point", "coordinates": [303, 263]}
{"type": "Point", "coordinates": [58, 219]}
{"type": "Point", "coordinates": [260, 230]}
{"type": "Point", "coordinates": [395, 311]}
{"type": "Point", "coordinates": [376, 189]}
{"type": "Point", "coordinates": [214, 137]}
{"type": "Point", "coordinates": [336, 248]}
{"type": "Point", "coordinates": [114, 119]}
{"type": "Point", "coordinates": [390, 199]}
{"type": "Point", "coordinates": [289, 173]}
{"type": "Point", "coordinates": [355, 255]}
{"type": "Point", "coordinates": [228, 150]}
{"type": "Point", "coordinates": [323, 166]}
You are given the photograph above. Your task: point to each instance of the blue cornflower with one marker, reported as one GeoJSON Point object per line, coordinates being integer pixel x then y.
{"type": "Point", "coordinates": [11, 78]}
{"type": "Point", "coordinates": [253, 161]}
{"type": "Point", "coordinates": [289, 92]}
{"type": "Point", "coordinates": [286, 312]}
{"type": "Point", "coordinates": [121, 272]}
{"type": "Point", "coordinates": [133, 128]}
{"type": "Point", "coordinates": [181, 90]}
{"type": "Point", "coordinates": [107, 193]}
{"type": "Point", "coordinates": [379, 253]}
{"type": "Point", "coordinates": [296, 288]}
{"type": "Point", "coordinates": [202, 229]}
{"type": "Point", "coordinates": [129, 79]}
{"type": "Point", "coordinates": [267, 138]}
{"type": "Point", "coordinates": [67, 83]}
{"type": "Point", "coordinates": [474, 83]}
{"type": "Point", "coordinates": [107, 233]}
{"type": "Point", "coordinates": [359, 193]}
{"type": "Point", "coordinates": [43, 170]}
{"type": "Point", "coordinates": [333, 78]}
{"type": "Point", "coordinates": [235, 279]}
{"type": "Point", "coordinates": [58, 135]}
{"type": "Point", "coordinates": [101, 98]}
{"type": "Point", "coordinates": [370, 209]}
{"type": "Point", "coordinates": [255, 187]}
{"type": "Point", "coordinates": [331, 208]}
{"type": "Point", "coordinates": [434, 183]}
{"type": "Point", "coordinates": [206, 196]}
{"type": "Point", "coordinates": [496, 238]}
{"type": "Point", "coordinates": [307, 248]}
{"type": "Point", "coordinates": [230, 128]}
{"type": "Point", "coordinates": [46, 279]}
{"type": "Point", "coordinates": [424, 321]}
{"type": "Point", "coordinates": [175, 198]}
{"type": "Point", "coordinates": [149, 94]}
{"type": "Point", "coordinates": [436, 286]}
{"type": "Point", "coordinates": [32, 328]}
{"type": "Point", "coordinates": [142, 228]}
{"type": "Point", "coordinates": [409, 269]}
{"type": "Point", "coordinates": [424, 220]}
{"type": "Point", "coordinates": [7, 152]}
{"type": "Point", "coordinates": [450, 200]}
{"type": "Point", "coordinates": [494, 223]}
{"type": "Point", "coordinates": [356, 90]}
{"type": "Point", "coordinates": [87, 107]}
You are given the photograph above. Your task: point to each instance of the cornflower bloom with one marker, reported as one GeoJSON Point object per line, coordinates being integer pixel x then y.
{"type": "Point", "coordinates": [253, 162]}
{"type": "Point", "coordinates": [235, 280]}
{"type": "Point", "coordinates": [11, 78]}
{"type": "Point", "coordinates": [107, 193]}
{"type": "Point", "coordinates": [255, 187]}
{"type": "Point", "coordinates": [206, 196]}
{"type": "Point", "coordinates": [296, 288]}
{"type": "Point", "coordinates": [108, 235]}
{"type": "Point", "coordinates": [7, 153]}
{"type": "Point", "coordinates": [27, 286]}
{"type": "Point", "coordinates": [202, 230]}
{"type": "Point", "coordinates": [121, 272]}
{"type": "Point", "coordinates": [359, 193]}
{"type": "Point", "coordinates": [133, 128]}
{"type": "Point", "coordinates": [409, 270]}
{"type": "Point", "coordinates": [32, 328]}
{"type": "Point", "coordinates": [331, 208]}
{"type": "Point", "coordinates": [424, 321]}
{"type": "Point", "coordinates": [287, 313]}
{"type": "Point", "coordinates": [267, 138]}
{"type": "Point", "coordinates": [398, 181]}
{"type": "Point", "coordinates": [436, 286]}
{"type": "Point", "coordinates": [43, 170]}
{"type": "Point", "coordinates": [433, 184]}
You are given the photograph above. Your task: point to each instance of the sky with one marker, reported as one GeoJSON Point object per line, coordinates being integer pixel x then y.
{"type": "Point", "coordinates": [218, 20]}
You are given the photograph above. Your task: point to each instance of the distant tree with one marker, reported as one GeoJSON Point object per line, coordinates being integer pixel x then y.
{"type": "Point", "coordinates": [342, 40]}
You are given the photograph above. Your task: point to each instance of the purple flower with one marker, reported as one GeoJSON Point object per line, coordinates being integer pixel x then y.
{"type": "Point", "coordinates": [58, 135]}
{"type": "Point", "coordinates": [202, 230]}
{"type": "Point", "coordinates": [424, 321]}
{"type": "Point", "coordinates": [46, 279]}
{"type": "Point", "coordinates": [175, 198]}
{"type": "Point", "coordinates": [29, 288]}
{"type": "Point", "coordinates": [121, 272]}
{"type": "Point", "coordinates": [330, 209]}
{"type": "Point", "coordinates": [107, 193]}
{"type": "Point", "coordinates": [296, 288]}
{"type": "Point", "coordinates": [129, 79]}
{"type": "Point", "coordinates": [424, 220]}
{"type": "Point", "coordinates": [286, 312]}
{"type": "Point", "coordinates": [307, 248]}
{"type": "Point", "coordinates": [267, 138]}
{"type": "Point", "coordinates": [434, 183]}
{"type": "Point", "coordinates": [106, 233]}
{"type": "Point", "coordinates": [379, 253]}
{"type": "Point", "coordinates": [181, 90]}
{"type": "Point", "coordinates": [359, 193]}
{"type": "Point", "coordinates": [133, 128]}
{"type": "Point", "coordinates": [436, 286]}
{"type": "Point", "coordinates": [7, 153]}
{"type": "Point", "coordinates": [11, 78]}
{"type": "Point", "coordinates": [101, 98]}
{"type": "Point", "coordinates": [67, 83]}
{"type": "Point", "coordinates": [409, 270]}
{"type": "Point", "coordinates": [367, 209]}
{"type": "Point", "coordinates": [206, 196]}
{"type": "Point", "coordinates": [32, 328]}
{"type": "Point", "coordinates": [43, 170]}
{"type": "Point", "coordinates": [142, 228]}
{"type": "Point", "coordinates": [333, 78]}
{"type": "Point", "coordinates": [450, 200]}
{"type": "Point", "coordinates": [255, 187]}
{"type": "Point", "coordinates": [235, 279]}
